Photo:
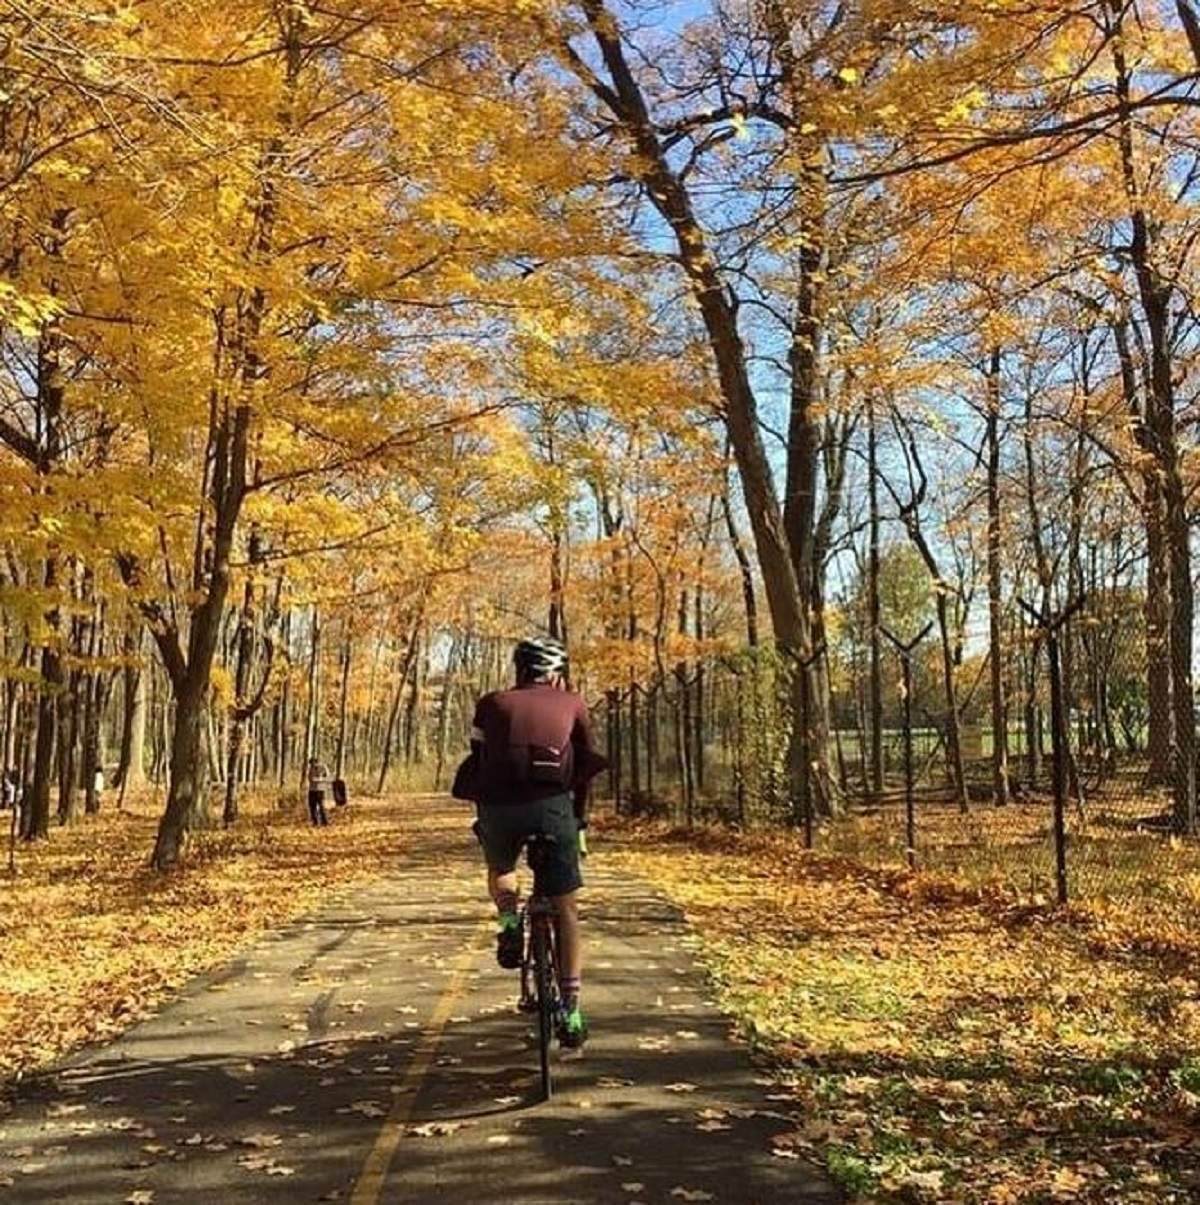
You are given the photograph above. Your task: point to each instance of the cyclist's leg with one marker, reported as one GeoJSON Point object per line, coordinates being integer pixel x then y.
{"type": "Point", "coordinates": [570, 946]}
{"type": "Point", "coordinates": [501, 842]}
{"type": "Point", "coordinates": [502, 887]}
{"type": "Point", "coordinates": [561, 880]}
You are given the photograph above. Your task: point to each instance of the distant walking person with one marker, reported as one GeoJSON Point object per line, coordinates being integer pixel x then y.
{"type": "Point", "coordinates": [318, 776]}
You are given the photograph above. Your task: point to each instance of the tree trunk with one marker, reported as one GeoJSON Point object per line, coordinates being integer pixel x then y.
{"type": "Point", "coordinates": [1160, 736]}
{"type": "Point", "coordinates": [744, 571]}
{"type": "Point", "coordinates": [651, 741]}
{"type": "Point", "coordinates": [312, 723]}
{"type": "Point", "coordinates": [953, 742]}
{"type": "Point", "coordinates": [1157, 607]}
{"type": "Point", "coordinates": [131, 763]}
{"type": "Point", "coordinates": [185, 778]}
{"type": "Point", "coordinates": [343, 699]}
{"type": "Point", "coordinates": [406, 668]}
{"type": "Point", "coordinates": [786, 594]}
{"type": "Point", "coordinates": [414, 731]}
{"type": "Point", "coordinates": [458, 655]}
{"type": "Point", "coordinates": [875, 691]}
{"type": "Point", "coordinates": [283, 708]}
{"type": "Point", "coordinates": [94, 697]}
{"type": "Point", "coordinates": [683, 722]}
{"type": "Point", "coordinates": [36, 815]}
{"type": "Point", "coordinates": [1154, 294]}
{"type": "Point", "coordinates": [613, 742]}
{"type": "Point", "coordinates": [1000, 787]}
{"type": "Point", "coordinates": [558, 612]}
{"type": "Point", "coordinates": [699, 711]}
{"type": "Point", "coordinates": [244, 646]}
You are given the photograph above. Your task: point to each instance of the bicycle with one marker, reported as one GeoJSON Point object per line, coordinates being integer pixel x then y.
{"type": "Point", "coordinates": [540, 966]}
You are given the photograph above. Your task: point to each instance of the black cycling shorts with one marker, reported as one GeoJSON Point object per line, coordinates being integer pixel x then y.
{"type": "Point", "coordinates": [504, 827]}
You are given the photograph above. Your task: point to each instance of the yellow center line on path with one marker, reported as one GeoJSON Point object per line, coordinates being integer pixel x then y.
{"type": "Point", "coordinates": [369, 1186]}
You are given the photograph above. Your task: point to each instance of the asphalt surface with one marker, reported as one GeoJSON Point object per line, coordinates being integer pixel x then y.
{"type": "Point", "coordinates": [372, 1054]}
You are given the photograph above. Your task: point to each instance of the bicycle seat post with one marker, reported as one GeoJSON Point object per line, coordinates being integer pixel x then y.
{"type": "Point", "coordinates": [537, 851]}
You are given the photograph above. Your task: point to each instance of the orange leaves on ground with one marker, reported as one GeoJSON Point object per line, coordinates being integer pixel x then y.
{"type": "Point", "coordinates": [93, 940]}
{"type": "Point", "coordinates": [946, 1046]}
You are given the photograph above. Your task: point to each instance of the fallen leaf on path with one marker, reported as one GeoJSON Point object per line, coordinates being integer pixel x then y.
{"type": "Point", "coordinates": [260, 1141]}
{"type": "Point", "coordinates": [140, 1196]}
{"type": "Point", "coordinates": [633, 1186]}
{"type": "Point", "coordinates": [680, 1087]}
{"type": "Point", "coordinates": [256, 1163]}
{"type": "Point", "coordinates": [653, 1043]}
{"type": "Point", "coordinates": [435, 1129]}
{"type": "Point", "coordinates": [691, 1194]}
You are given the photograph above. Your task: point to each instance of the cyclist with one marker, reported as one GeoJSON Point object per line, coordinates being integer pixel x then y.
{"type": "Point", "coordinates": [535, 758]}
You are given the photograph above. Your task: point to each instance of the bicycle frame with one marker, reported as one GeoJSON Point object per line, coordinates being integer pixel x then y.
{"type": "Point", "coordinates": [540, 965]}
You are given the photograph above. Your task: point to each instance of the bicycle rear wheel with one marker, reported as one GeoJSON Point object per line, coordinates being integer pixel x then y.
{"type": "Point", "coordinates": [543, 969]}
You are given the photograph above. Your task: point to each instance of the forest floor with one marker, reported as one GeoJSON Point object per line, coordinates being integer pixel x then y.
{"type": "Point", "coordinates": [93, 940]}
{"type": "Point", "coordinates": [926, 1041]}
{"type": "Point", "coordinates": [946, 1045]}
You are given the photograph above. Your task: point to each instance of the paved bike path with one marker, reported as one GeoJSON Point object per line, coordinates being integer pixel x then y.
{"type": "Point", "coordinates": [371, 1054]}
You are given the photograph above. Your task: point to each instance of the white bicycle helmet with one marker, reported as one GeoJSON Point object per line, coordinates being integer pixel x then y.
{"type": "Point", "coordinates": [540, 657]}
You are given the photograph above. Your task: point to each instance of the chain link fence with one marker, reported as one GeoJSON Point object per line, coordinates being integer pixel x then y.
{"type": "Point", "coordinates": [1094, 806]}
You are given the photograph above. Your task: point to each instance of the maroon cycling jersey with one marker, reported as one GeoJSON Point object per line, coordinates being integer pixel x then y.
{"type": "Point", "coordinates": [534, 741]}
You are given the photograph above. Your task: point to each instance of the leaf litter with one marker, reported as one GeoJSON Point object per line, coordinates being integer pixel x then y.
{"type": "Point", "coordinates": [941, 1044]}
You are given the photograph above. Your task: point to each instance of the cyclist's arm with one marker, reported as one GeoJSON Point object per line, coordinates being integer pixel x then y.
{"type": "Point", "coordinates": [478, 721]}
{"type": "Point", "coordinates": [588, 762]}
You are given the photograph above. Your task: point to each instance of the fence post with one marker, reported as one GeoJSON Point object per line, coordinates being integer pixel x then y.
{"type": "Point", "coordinates": [1050, 625]}
{"type": "Point", "coordinates": [905, 650]}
